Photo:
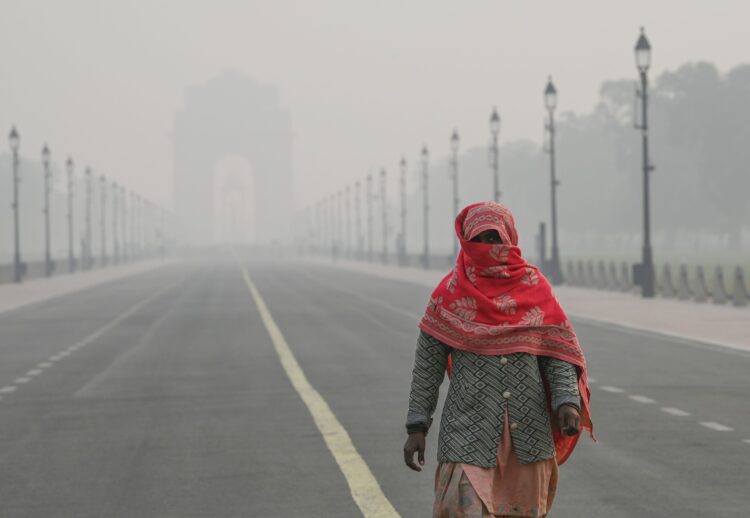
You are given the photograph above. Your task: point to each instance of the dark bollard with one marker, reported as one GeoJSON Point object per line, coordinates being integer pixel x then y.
{"type": "Point", "coordinates": [667, 288]}
{"type": "Point", "coordinates": [701, 288]}
{"type": "Point", "coordinates": [720, 291]}
{"type": "Point", "coordinates": [683, 285]}
{"type": "Point", "coordinates": [739, 296]}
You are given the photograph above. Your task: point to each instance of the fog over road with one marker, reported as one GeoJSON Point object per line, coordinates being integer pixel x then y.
{"type": "Point", "coordinates": [163, 395]}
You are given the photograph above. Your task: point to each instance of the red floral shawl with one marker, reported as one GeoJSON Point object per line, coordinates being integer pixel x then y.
{"type": "Point", "coordinates": [494, 302]}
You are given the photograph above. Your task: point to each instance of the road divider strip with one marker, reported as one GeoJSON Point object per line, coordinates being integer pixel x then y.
{"type": "Point", "coordinates": [363, 485]}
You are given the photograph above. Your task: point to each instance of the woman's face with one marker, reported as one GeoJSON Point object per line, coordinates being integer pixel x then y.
{"type": "Point", "coordinates": [491, 237]}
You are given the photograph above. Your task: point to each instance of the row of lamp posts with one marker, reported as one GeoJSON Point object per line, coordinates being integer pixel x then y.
{"type": "Point", "coordinates": [643, 272]}
{"type": "Point", "coordinates": [123, 246]}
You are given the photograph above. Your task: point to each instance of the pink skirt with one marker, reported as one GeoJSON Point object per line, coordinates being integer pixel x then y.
{"type": "Point", "coordinates": [509, 489]}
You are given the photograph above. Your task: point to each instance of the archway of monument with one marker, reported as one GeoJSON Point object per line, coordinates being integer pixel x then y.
{"type": "Point", "coordinates": [233, 116]}
{"type": "Point", "coordinates": [233, 201]}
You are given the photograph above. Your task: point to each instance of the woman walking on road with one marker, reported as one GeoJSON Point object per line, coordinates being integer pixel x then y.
{"type": "Point", "coordinates": [518, 395]}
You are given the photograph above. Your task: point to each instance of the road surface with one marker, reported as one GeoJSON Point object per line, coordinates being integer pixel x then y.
{"type": "Point", "coordinates": [163, 395]}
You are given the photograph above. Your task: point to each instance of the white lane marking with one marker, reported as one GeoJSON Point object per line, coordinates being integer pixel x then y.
{"type": "Point", "coordinates": [716, 426]}
{"type": "Point", "coordinates": [21, 380]}
{"type": "Point", "coordinates": [54, 358]}
{"type": "Point", "coordinates": [145, 339]}
{"type": "Point", "coordinates": [674, 411]}
{"type": "Point", "coordinates": [614, 390]}
{"type": "Point", "coordinates": [592, 380]}
{"type": "Point", "coordinates": [64, 354]}
{"type": "Point", "coordinates": [642, 399]}
{"type": "Point", "coordinates": [363, 485]}
{"type": "Point", "coordinates": [7, 389]}
{"type": "Point", "coordinates": [746, 441]}
{"type": "Point", "coordinates": [112, 323]}
{"type": "Point", "coordinates": [44, 365]}
{"type": "Point", "coordinates": [34, 372]}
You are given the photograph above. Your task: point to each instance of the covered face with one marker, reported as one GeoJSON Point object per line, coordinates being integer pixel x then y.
{"type": "Point", "coordinates": [484, 216]}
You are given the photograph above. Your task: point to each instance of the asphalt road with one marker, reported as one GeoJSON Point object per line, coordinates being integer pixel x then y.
{"type": "Point", "coordinates": [169, 400]}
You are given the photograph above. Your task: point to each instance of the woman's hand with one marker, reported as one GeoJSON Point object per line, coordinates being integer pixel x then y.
{"type": "Point", "coordinates": [414, 443]}
{"type": "Point", "coordinates": [569, 419]}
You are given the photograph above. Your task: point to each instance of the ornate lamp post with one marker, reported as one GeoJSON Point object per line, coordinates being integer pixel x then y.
{"type": "Point", "coordinates": [348, 222]}
{"type": "Point", "coordinates": [47, 179]}
{"type": "Point", "coordinates": [115, 228]}
{"type": "Point", "coordinates": [402, 238]}
{"type": "Point", "coordinates": [358, 218]}
{"type": "Point", "coordinates": [332, 219]}
{"type": "Point", "coordinates": [70, 168]}
{"type": "Point", "coordinates": [550, 102]}
{"type": "Point", "coordinates": [14, 139]}
{"type": "Point", "coordinates": [494, 156]}
{"type": "Point", "coordinates": [340, 222]}
{"type": "Point", "coordinates": [425, 208]}
{"type": "Point", "coordinates": [644, 272]}
{"type": "Point", "coordinates": [126, 247]}
{"type": "Point", "coordinates": [384, 213]}
{"type": "Point", "coordinates": [369, 216]}
{"type": "Point", "coordinates": [87, 262]}
{"type": "Point", "coordinates": [455, 143]}
{"type": "Point", "coordinates": [103, 211]}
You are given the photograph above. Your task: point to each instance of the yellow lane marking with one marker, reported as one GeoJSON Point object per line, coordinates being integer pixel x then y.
{"type": "Point", "coordinates": [363, 486]}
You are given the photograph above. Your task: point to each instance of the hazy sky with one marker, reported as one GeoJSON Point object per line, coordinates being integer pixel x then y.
{"type": "Point", "coordinates": [364, 82]}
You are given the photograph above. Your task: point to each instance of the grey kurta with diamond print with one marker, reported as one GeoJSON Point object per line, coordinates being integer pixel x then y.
{"type": "Point", "coordinates": [481, 388]}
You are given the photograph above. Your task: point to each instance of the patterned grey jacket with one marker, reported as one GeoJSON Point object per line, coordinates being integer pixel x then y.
{"type": "Point", "coordinates": [481, 388]}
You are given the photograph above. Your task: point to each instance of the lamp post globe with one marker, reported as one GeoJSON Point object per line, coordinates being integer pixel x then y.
{"type": "Point", "coordinates": [550, 95]}
{"type": "Point", "coordinates": [45, 155]}
{"type": "Point", "coordinates": [494, 122]}
{"type": "Point", "coordinates": [14, 139]}
{"type": "Point", "coordinates": [455, 141]}
{"type": "Point", "coordinates": [643, 53]}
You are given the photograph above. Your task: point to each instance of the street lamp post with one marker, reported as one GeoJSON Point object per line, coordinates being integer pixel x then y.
{"type": "Point", "coordinates": [134, 210]}
{"type": "Point", "coordinates": [47, 179]}
{"type": "Point", "coordinates": [15, 140]}
{"type": "Point", "coordinates": [644, 272]}
{"type": "Point", "coordinates": [348, 222]}
{"type": "Point", "coordinates": [455, 143]}
{"type": "Point", "coordinates": [69, 166]}
{"type": "Point", "coordinates": [495, 132]}
{"type": "Point", "coordinates": [358, 217]}
{"type": "Point", "coordinates": [384, 213]}
{"type": "Point", "coordinates": [89, 186]}
{"type": "Point", "coordinates": [369, 217]}
{"type": "Point", "coordinates": [340, 222]}
{"type": "Point", "coordinates": [124, 224]}
{"type": "Point", "coordinates": [115, 228]}
{"type": "Point", "coordinates": [103, 211]}
{"type": "Point", "coordinates": [402, 238]}
{"type": "Point", "coordinates": [426, 209]}
{"type": "Point", "coordinates": [550, 102]}
{"type": "Point", "coordinates": [332, 219]}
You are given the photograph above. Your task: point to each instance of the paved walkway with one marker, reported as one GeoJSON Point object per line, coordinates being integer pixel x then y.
{"type": "Point", "coordinates": [14, 296]}
{"type": "Point", "coordinates": [724, 326]}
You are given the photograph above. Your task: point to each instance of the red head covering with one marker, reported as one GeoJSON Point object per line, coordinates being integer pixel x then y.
{"type": "Point", "coordinates": [494, 302]}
